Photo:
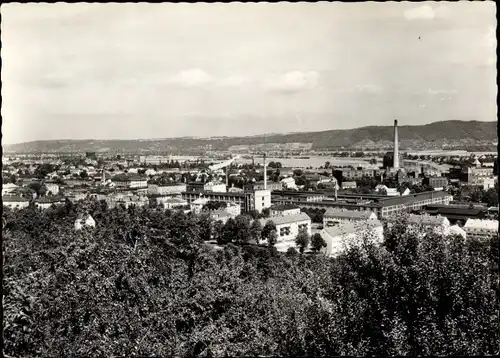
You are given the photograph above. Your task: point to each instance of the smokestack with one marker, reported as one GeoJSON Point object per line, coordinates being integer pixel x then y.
{"type": "Point", "coordinates": [227, 176]}
{"type": "Point", "coordinates": [265, 172]}
{"type": "Point", "coordinates": [396, 149]}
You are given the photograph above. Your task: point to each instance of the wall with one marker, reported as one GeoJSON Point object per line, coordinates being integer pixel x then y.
{"type": "Point", "coordinates": [294, 230]}
{"type": "Point", "coordinates": [262, 200]}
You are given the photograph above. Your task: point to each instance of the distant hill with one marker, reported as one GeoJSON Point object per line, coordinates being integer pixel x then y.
{"type": "Point", "coordinates": [450, 134]}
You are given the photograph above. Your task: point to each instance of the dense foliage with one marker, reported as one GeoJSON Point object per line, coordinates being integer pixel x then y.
{"type": "Point", "coordinates": [142, 282]}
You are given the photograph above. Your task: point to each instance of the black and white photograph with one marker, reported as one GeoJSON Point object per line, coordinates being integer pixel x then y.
{"type": "Point", "coordinates": [309, 179]}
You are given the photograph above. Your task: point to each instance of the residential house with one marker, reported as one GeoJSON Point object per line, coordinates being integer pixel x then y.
{"type": "Point", "coordinates": [481, 229]}
{"type": "Point", "coordinates": [232, 210]}
{"type": "Point", "coordinates": [489, 183]}
{"type": "Point", "coordinates": [349, 185]}
{"type": "Point", "coordinates": [9, 188]}
{"type": "Point", "coordinates": [173, 189]}
{"type": "Point", "coordinates": [215, 187]}
{"type": "Point", "coordinates": [173, 203]}
{"type": "Point", "coordinates": [126, 200]}
{"type": "Point", "coordinates": [289, 183]}
{"type": "Point", "coordinates": [129, 181]}
{"type": "Point", "coordinates": [15, 202]}
{"type": "Point", "coordinates": [438, 183]}
{"type": "Point", "coordinates": [46, 202]}
{"type": "Point", "coordinates": [282, 210]}
{"type": "Point", "coordinates": [437, 224]}
{"type": "Point", "coordinates": [198, 204]}
{"type": "Point", "coordinates": [220, 215]}
{"type": "Point", "coordinates": [336, 217]}
{"type": "Point", "coordinates": [52, 188]}
{"type": "Point", "coordinates": [288, 226]}
{"type": "Point", "coordinates": [346, 234]}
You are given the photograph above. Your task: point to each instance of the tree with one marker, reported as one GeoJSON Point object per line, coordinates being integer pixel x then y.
{"type": "Point", "coordinates": [266, 212]}
{"type": "Point", "coordinates": [302, 240]}
{"type": "Point", "coordinates": [83, 174]}
{"type": "Point", "coordinates": [317, 242]}
{"type": "Point", "coordinates": [291, 252]}
{"type": "Point", "coordinates": [255, 231]}
{"type": "Point", "coordinates": [272, 238]}
{"type": "Point", "coordinates": [373, 161]}
{"type": "Point", "coordinates": [214, 205]}
{"type": "Point", "coordinates": [269, 226]}
{"type": "Point", "coordinates": [38, 188]}
{"type": "Point", "coordinates": [490, 196]}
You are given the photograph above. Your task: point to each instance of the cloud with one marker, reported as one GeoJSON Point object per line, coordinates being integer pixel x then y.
{"type": "Point", "coordinates": [192, 78]}
{"type": "Point", "coordinates": [234, 81]}
{"type": "Point", "coordinates": [441, 91]}
{"type": "Point", "coordinates": [368, 88]}
{"type": "Point", "coordinates": [490, 38]}
{"type": "Point", "coordinates": [425, 12]}
{"type": "Point", "coordinates": [294, 81]}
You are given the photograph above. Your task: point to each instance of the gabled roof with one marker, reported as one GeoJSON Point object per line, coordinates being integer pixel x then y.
{"type": "Point", "coordinates": [479, 224]}
{"type": "Point", "coordinates": [287, 219]}
{"type": "Point", "coordinates": [175, 201]}
{"type": "Point", "coordinates": [347, 214]}
{"type": "Point", "coordinates": [13, 199]}
{"type": "Point", "coordinates": [351, 227]}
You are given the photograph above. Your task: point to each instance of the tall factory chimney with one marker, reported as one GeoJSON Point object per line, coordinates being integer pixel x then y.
{"type": "Point", "coordinates": [396, 149]}
{"type": "Point", "coordinates": [265, 172]}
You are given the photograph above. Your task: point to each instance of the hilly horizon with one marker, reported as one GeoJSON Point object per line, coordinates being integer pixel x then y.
{"type": "Point", "coordinates": [452, 133]}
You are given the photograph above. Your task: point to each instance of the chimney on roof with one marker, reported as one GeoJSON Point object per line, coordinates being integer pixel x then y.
{"type": "Point", "coordinates": [396, 149]}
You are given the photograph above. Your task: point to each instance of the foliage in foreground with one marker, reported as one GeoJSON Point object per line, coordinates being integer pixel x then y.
{"type": "Point", "coordinates": [143, 283]}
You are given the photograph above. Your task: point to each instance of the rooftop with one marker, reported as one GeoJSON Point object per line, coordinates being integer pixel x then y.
{"type": "Point", "coordinates": [284, 207]}
{"type": "Point", "coordinates": [348, 214]}
{"type": "Point", "coordinates": [13, 199]}
{"type": "Point", "coordinates": [287, 219]}
{"type": "Point", "coordinates": [350, 228]}
{"type": "Point", "coordinates": [490, 225]}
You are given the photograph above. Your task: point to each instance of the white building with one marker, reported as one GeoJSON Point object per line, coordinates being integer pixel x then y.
{"type": "Point", "coordinates": [281, 210]}
{"type": "Point", "coordinates": [198, 204]}
{"type": "Point", "coordinates": [437, 224]}
{"type": "Point", "coordinates": [126, 200]}
{"type": "Point", "coordinates": [335, 217]}
{"type": "Point", "coordinates": [172, 203]}
{"type": "Point", "coordinates": [347, 234]}
{"type": "Point", "coordinates": [289, 183]}
{"type": "Point", "coordinates": [47, 202]}
{"type": "Point", "coordinates": [220, 215]}
{"type": "Point", "coordinates": [84, 220]}
{"type": "Point", "coordinates": [349, 185]}
{"type": "Point", "coordinates": [52, 188]}
{"type": "Point", "coordinates": [215, 187]}
{"type": "Point", "coordinates": [233, 209]}
{"type": "Point", "coordinates": [287, 226]}
{"type": "Point", "coordinates": [262, 199]}
{"type": "Point", "coordinates": [166, 189]}
{"type": "Point", "coordinates": [489, 183]}
{"type": "Point", "coordinates": [15, 202]}
{"type": "Point", "coordinates": [9, 188]}
{"type": "Point", "coordinates": [481, 229]}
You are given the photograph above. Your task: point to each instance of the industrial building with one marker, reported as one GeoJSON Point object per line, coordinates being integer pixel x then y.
{"type": "Point", "coordinates": [381, 205]}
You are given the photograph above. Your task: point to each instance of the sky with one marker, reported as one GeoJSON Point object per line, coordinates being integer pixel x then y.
{"type": "Point", "coordinates": [138, 71]}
